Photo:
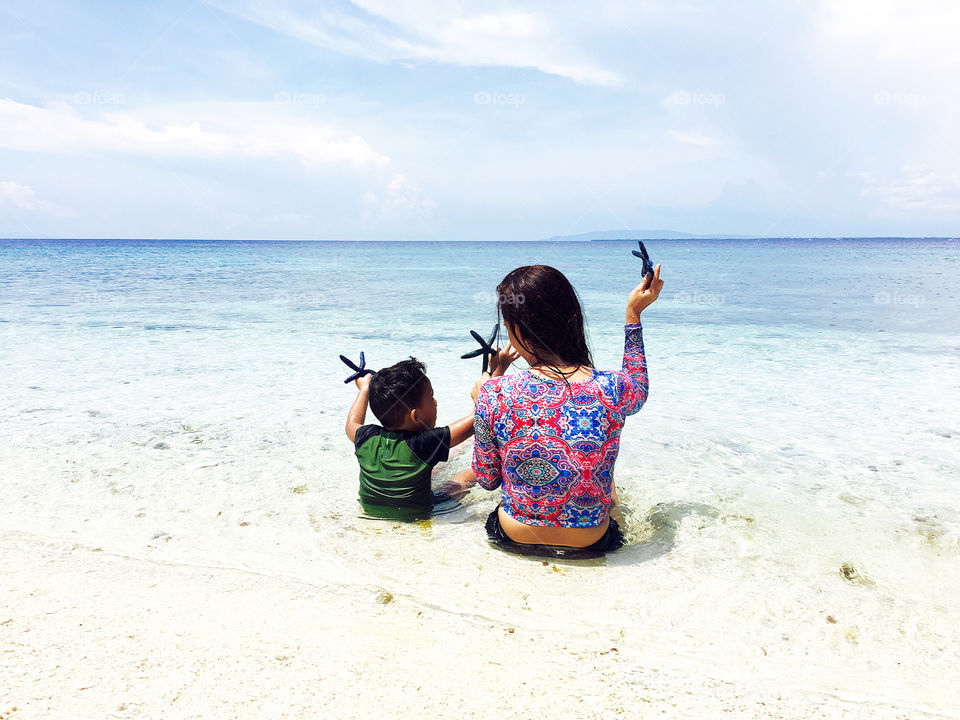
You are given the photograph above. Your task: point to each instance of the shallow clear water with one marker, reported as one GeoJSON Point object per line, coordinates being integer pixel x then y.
{"type": "Point", "coordinates": [797, 463]}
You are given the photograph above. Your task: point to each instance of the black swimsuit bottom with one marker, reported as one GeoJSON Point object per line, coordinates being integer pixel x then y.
{"type": "Point", "coordinates": [611, 540]}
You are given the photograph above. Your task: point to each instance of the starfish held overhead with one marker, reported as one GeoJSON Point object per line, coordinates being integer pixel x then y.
{"type": "Point", "coordinates": [360, 369]}
{"type": "Point", "coordinates": [642, 254]}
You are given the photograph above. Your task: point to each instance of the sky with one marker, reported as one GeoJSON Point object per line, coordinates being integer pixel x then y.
{"type": "Point", "coordinates": [496, 120]}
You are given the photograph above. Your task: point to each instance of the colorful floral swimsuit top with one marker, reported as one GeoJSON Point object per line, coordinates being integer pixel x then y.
{"type": "Point", "coordinates": [551, 447]}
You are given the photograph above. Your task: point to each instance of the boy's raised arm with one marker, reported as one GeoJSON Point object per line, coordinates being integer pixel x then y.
{"type": "Point", "coordinates": [358, 411]}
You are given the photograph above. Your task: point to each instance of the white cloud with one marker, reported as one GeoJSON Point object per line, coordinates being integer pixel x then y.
{"type": "Point", "coordinates": [895, 63]}
{"type": "Point", "coordinates": [19, 197]}
{"type": "Point", "coordinates": [399, 203]}
{"type": "Point", "coordinates": [896, 54]}
{"type": "Point", "coordinates": [385, 31]}
{"type": "Point", "coordinates": [242, 130]}
{"type": "Point", "coordinates": [916, 189]}
{"type": "Point", "coordinates": [920, 31]}
{"type": "Point", "coordinates": [694, 138]}
{"type": "Point", "coordinates": [405, 194]}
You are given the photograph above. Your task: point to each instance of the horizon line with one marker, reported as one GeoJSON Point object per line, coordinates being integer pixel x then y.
{"type": "Point", "coordinates": [557, 239]}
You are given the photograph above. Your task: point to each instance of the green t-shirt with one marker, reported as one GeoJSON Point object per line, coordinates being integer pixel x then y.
{"type": "Point", "coordinates": [395, 465]}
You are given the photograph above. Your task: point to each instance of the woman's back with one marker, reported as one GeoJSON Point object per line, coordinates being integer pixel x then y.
{"type": "Point", "coordinates": [552, 444]}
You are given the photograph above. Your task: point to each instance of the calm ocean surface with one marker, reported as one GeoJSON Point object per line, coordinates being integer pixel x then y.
{"type": "Point", "coordinates": [798, 458]}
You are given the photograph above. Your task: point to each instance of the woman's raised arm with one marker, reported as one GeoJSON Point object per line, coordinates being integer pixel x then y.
{"type": "Point", "coordinates": [635, 384]}
{"type": "Point", "coordinates": [643, 295]}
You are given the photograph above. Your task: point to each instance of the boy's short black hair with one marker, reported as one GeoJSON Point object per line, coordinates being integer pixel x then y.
{"type": "Point", "coordinates": [396, 390]}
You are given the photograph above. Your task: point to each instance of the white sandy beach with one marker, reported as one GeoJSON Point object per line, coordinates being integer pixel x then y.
{"type": "Point", "coordinates": [180, 535]}
{"type": "Point", "coordinates": [89, 634]}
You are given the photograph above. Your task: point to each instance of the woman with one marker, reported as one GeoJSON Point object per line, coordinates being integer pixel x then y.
{"type": "Point", "coordinates": [550, 435]}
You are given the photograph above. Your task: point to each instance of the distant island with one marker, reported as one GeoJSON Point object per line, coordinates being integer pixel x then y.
{"type": "Point", "coordinates": [613, 235]}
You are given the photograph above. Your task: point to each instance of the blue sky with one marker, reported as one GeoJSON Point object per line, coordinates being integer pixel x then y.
{"type": "Point", "coordinates": [472, 121]}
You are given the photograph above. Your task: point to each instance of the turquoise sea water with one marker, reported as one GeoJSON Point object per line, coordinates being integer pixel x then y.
{"type": "Point", "coordinates": [798, 458]}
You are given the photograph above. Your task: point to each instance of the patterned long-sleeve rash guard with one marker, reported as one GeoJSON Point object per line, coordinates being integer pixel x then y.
{"type": "Point", "coordinates": [552, 447]}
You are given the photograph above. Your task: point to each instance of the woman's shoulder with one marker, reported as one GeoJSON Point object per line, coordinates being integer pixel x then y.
{"type": "Point", "coordinates": [495, 386]}
{"type": "Point", "coordinates": [508, 388]}
{"type": "Point", "coordinates": [526, 382]}
{"type": "Point", "coordinates": [611, 383]}
{"type": "Point", "coordinates": [606, 374]}
{"type": "Point", "coordinates": [499, 384]}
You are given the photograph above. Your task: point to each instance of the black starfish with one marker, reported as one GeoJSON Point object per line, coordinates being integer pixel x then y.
{"type": "Point", "coordinates": [361, 369]}
{"type": "Point", "coordinates": [642, 254]}
{"type": "Point", "coordinates": [486, 347]}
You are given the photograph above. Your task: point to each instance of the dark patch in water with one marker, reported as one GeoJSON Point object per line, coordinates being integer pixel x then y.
{"type": "Point", "coordinates": [443, 504]}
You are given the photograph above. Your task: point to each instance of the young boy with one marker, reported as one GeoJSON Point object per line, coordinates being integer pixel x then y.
{"type": "Point", "coordinates": [396, 459]}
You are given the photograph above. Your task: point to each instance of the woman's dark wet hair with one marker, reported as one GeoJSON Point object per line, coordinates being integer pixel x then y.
{"type": "Point", "coordinates": [396, 390]}
{"type": "Point", "coordinates": [540, 302]}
